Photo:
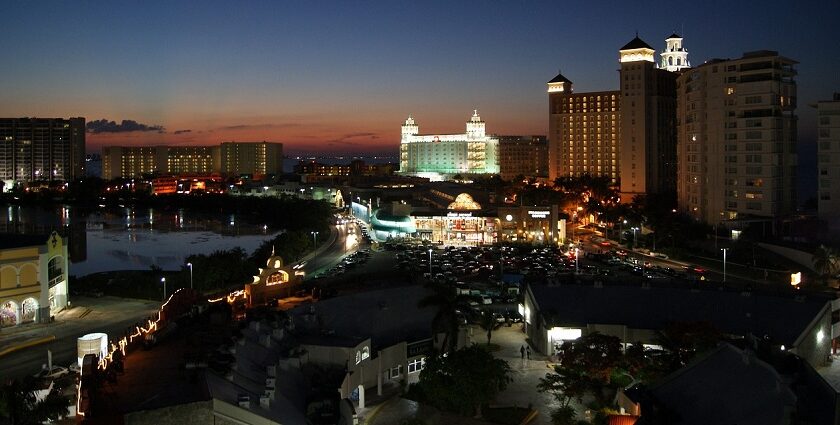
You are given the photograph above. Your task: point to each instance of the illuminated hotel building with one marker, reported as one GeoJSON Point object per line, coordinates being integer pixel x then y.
{"type": "Point", "coordinates": [584, 131]}
{"type": "Point", "coordinates": [628, 135]}
{"type": "Point", "coordinates": [41, 149]}
{"type": "Point", "coordinates": [441, 156]}
{"type": "Point", "coordinates": [231, 158]}
{"type": "Point", "coordinates": [828, 160]}
{"type": "Point", "coordinates": [255, 158]}
{"type": "Point", "coordinates": [523, 155]}
{"type": "Point", "coordinates": [737, 138]}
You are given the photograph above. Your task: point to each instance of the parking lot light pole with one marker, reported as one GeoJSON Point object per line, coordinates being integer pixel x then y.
{"type": "Point", "coordinates": [724, 263]}
{"type": "Point", "coordinates": [163, 280]}
{"type": "Point", "coordinates": [577, 268]}
{"type": "Point", "coordinates": [314, 249]}
{"type": "Point", "coordinates": [621, 230]}
{"type": "Point", "coordinates": [634, 237]}
{"type": "Point", "coordinates": [430, 263]}
{"type": "Point", "coordinates": [191, 275]}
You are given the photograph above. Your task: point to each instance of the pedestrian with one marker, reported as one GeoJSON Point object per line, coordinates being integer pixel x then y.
{"type": "Point", "coordinates": [522, 352]}
{"type": "Point", "coordinates": [528, 351]}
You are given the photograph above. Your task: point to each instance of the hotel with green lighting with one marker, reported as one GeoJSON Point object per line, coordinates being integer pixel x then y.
{"type": "Point", "coordinates": [439, 157]}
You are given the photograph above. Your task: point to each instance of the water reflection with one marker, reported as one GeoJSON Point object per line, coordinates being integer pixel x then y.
{"type": "Point", "coordinates": [129, 238]}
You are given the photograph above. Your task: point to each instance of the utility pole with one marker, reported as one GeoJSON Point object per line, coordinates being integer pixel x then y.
{"type": "Point", "coordinates": [724, 262]}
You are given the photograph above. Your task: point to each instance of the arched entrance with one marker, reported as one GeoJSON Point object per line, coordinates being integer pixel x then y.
{"type": "Point", "coordinates": [28, 310]}
{"type": "Point", "coordinates": [8, 313]}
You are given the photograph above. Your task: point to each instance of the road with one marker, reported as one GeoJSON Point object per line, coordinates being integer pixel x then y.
{"type": "Point", "coordinates": [348, 239]}
{"type": "Point", "coordinates": [108, 314]}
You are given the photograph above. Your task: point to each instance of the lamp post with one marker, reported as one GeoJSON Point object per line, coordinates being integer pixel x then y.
{"type": "Point", "coordinates": [577, 269]}
{"type": "Point", "coordinates": [314, 249]}
{"type": "Point", "coordinates": [621, 230]}
{"type": "Point", "coordinates": [191, 277]}
{"type": "Point", "coordinates": [163, 280]}
{"type": "Point", "coordinates": [634, 237]}
{"type": "Point", "coordinates": [724, 263]}
{"type": "Point", "coordinates": [430, 263]}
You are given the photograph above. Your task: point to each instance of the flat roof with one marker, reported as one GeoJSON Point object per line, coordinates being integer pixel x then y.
{"type": "Point", "coordinates": [783, 318]}
{"type": "Point", "coordinates": [386, 316]}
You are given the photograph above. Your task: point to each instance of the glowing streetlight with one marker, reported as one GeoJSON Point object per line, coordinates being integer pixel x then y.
{"type": "Point", "coordinates": [314, 248]}
{"type": "Point", "coordinates": [724, 263]}
{"type": "Point", "coordinates": [577, 268]}
{"type": "Point", "coordinates": [621, 230]}
{"type": "Point", "coordinates": [163, 280]}
{"type": "Point", "coordinates": [634, 236]}
{"type": "Point", "coordinates": [191, 279]}
{"type": "Point", "coordinates": [430, 263]}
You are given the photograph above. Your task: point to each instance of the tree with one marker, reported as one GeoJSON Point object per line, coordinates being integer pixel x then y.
{"type": "Point", "coordinates": [446, 301]}
{"type": "Point", "coordinates": [826, 261]}
{"type": "Point", "coordinates": [586, 367]}
{"type": "Point", "coordinates": [19, 404]}
{"type": "Point", "coordinates": [464, 380]}
{"type": "Point", "coordinates": [488, 323]}
{"type": "Point", "coordinates": [681, 341]}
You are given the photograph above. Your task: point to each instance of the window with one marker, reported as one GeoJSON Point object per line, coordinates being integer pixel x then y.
{"type": "Point", "coordinates": [750, 100]}
{"type": "Point", "coordinates": [416, 365]}
{"type": "Point", "coordinates": [396, 372]}
{"type": "Point", "coordinates": [753, 135]}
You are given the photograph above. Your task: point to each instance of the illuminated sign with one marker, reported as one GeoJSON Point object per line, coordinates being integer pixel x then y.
{"type": "Point", "coordinates": [795, 278]}
{"type": "Point", "coordinates": [459, 214]}
{"type": "Point", "coordinates": [276, 278]}
{"type": "Point", "coordinates": [539, 214]}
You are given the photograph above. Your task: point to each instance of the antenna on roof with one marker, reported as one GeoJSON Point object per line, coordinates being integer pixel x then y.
{"type": "Point", "coordinates": [637, 33]}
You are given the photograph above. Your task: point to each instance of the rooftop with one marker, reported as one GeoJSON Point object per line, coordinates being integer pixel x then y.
{"type": "Point", "coordinates": [636, 43]}
{"type": "Point", "coordinates": [652, 308]}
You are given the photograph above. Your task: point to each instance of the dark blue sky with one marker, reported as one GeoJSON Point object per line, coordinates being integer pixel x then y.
{"type": "Point", "coordinates": [342, 76]}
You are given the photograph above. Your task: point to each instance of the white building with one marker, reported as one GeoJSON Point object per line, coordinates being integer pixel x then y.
{"type": "Point", "coordinates": [675, 56]}
{"type": "Point", "coordinates": [438, 156]}
{"type": "Point", "coordinates": [828, 160]}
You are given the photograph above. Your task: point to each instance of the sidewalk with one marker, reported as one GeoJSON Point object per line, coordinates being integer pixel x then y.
{"type": "Point", "coordinates": [19, 337]}
{"type": "Point", "coordinates": [522, 391]}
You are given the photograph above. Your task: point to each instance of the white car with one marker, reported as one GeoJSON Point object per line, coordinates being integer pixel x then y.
{"type": "Point", "coordinates": [54, 373]}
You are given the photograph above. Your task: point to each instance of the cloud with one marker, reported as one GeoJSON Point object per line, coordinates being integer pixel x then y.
{"type": "Point", "coordinates": [257, 126]}
{"type": "Point", "coordinates": [346, 139]}
{"type": "Point", "coordinates": [182, 131]}
{"type": "Point", "coordinates": [105, 126]}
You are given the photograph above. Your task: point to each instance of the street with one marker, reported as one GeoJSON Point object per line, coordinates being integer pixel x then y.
{"type": "Point", "coordinates": [108, 314]}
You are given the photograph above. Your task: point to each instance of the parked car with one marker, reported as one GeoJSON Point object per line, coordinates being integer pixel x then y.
{"type": "Point", "coordinates": [54, 373]}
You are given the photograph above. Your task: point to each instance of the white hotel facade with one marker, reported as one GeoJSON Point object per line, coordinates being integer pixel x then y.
{"type": "Point", "coordinates": [438, 156]}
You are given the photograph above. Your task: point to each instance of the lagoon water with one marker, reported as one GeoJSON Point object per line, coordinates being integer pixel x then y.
{"type": "Point", "coordinates": [135, 238]}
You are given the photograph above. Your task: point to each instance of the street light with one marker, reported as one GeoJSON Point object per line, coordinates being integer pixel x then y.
{"type": "Point", "coordinates": [621, 230]}
{"type": "Point", "coordinates": [191, 279]}
{"type": "Point", "coordinates": [315, 249]}
{"type": "Point", "coordinates": [634, 237]}
{"type": "Point", "coordinates": [430, 263]}
{"type": "Point", "coordinates": [163, 280]}
{"type": "Point", "coordinates": [577, 269]}
{"type": "Point", "coordinates": [724, 263]}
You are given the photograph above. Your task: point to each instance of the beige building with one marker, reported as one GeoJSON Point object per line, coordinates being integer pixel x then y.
{"type": "Point", "coordinates": [628, 135]}
{"type": "Point", "coordinates": [33, 278]}
{"type": "Point", "coordinates": [41, 149]}
{"type": "Point", "coordinates": [647, 155]}
{"type": "Point", "coordinates": [230, 158]}
{"type": "Point", "coordinates": [737, 138]}
{"type": "Point", "coordinates": [828, 160]}
{"type": "Point", "coordinates": [256, 158]}
{"type": "Point", "coordinates": [584, 131]}
{"type": "Point", "coordinates": [523, 155]}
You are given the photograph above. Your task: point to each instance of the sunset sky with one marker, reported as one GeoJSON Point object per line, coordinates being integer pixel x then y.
{"type": "Point", "coordinates": [342, 76]}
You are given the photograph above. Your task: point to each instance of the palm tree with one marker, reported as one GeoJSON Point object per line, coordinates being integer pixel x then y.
{"type": "Point", "coordinates": [488, 323]}
{"type": "Point", "coordinates": [447, 301]}
{"type": "Point", "coordinates": [20, 406]}
{"type": "Point", "coordinates": [826, 261]}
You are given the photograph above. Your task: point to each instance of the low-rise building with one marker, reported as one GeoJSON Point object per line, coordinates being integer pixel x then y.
{"type": "Point", "coordinates": [33, 278]}
{"type": "Point", "coordinates": [556, 313]}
